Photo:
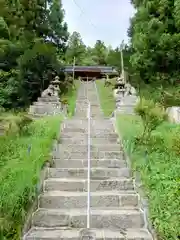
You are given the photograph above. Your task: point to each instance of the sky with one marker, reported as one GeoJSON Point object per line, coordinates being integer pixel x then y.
{"type": "Point", "coordinates": [106, 20]}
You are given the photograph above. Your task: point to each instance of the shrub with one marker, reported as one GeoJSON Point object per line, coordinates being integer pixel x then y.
{"type": "Point", "coordinates": [37, 68]}
{"type": "Point", "coordinates": [15, 124]}
{"type": "Point", "coordinates": [21, 161]}
{"type": "Point", "coordinates": [9, 89]}
{"type": "Point", "coordinates": [152, 115]}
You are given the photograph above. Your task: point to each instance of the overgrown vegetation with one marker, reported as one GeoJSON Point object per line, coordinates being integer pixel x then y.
{"type": "Point", "coordinates": [21, 160]}
{"type": "Point", "coordinates": [106, 98]}
{"type": "Point", "coordinates": [69, 98]}
{"type": "Point", "coordinates": [155, 41]}
{"type": "Point", "coordinates": [152, 115]}
{"type": "Point", "coordinates": [32, 45]}
{"type": "Point", "coordinates": [153, 146]}
{"type": "Point", "coordinates": [154, 47]}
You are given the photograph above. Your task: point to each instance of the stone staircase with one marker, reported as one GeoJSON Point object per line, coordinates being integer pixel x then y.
{"type": "Point", "coordinates": [115, 208]}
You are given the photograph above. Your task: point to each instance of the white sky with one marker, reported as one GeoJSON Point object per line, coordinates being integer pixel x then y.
{"type": "Point", "coordinates": [106, 20]}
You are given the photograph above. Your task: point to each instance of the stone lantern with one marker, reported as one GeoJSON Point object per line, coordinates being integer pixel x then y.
{"type": "Point", "coordinates": [56, 84]}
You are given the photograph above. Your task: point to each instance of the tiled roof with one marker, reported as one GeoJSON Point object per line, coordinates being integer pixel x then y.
{"type": "Point", "coordinates": [102, 69]}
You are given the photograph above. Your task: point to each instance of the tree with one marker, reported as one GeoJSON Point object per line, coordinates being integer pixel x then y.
{"type": "Point", "coordinates": [76, 48]}
{"type": "Point", "coordinates": [114, 58]}
{"type": "Point", "coordinates": [59, 29]}
{"type": "Point", "coordinates": [29, 30]}
{"type": "Point", "coordinates": [155, 39]}
{"type": "Point", "coordinates": [100, 53]}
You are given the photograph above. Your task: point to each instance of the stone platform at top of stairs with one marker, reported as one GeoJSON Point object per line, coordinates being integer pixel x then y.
{"type": "Point", "coordinates": [75, 234]}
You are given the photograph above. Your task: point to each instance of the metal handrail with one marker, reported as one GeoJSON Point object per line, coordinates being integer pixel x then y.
{"type": "Point", "coordinates": [89, 166]}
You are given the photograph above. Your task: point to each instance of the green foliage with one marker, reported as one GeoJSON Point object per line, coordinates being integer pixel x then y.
{"type": "Point", "coordinates": [4, 30]}
{"type": "Point", "coordinates": [69, 98]}
{"type": "Point", "coordinates": [59, 30]}
{"type": "Point", "coordinates": [76, 48]}
{"type": "Point", "coordinates": [158, 164]}
{"type": "Point", "coordinates": [155, 41]}
{"type": "Point", "coordinates": [15, 124]}
{"type": "Point", "coordinates": [37, 67]}
{"type": "Point", "coordinates": [28, 29]}
{"type": "Point", "coordinates": [152, 116]}
{"type": "Point", "coordinates": [100, 53]}
{"type": "Point", "coordinates": [9, 89]}
{"type": "Point", "coordinates": [106, 97]}
{"type": "Point", "coordinates": [21, 160]}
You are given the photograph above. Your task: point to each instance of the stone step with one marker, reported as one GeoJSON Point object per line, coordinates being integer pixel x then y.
{"type": "Point", "coordinates": [96, 173]}
{"type": "Point", "coordinates": [76, 234]}
{"type": "Point", "coordinates": [75, 184]}
{"type": "Point", "coordinates": [94, 155]}
{"type": "Point", "coordinates": [84, 140]}
{"type": "Point", "coordinates": [94, 133]}
{"type": "Point", "coordinates": [81, 163]}
{"type": "Point", "coordinates": [115, 218]}
{"type": "Point", "coordinates": [84, 147]}
{"type": "Point", "coordinates": [75, 122]}
{"type": "Point", "coordinates": [66, 199]}
{"type": "Point", "coordinates": [84, 129]}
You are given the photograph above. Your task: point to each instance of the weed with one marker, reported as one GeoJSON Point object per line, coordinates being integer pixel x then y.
{"type": "Point", "coordinates": [106, 97]}
{"type": "Point", "coordinates": [69, 98]}
{"type": "Point", "coordinates": [152, 115]}
{"type": "Point", "coordinates": [158, 163]}
{"type": "Point", "coordinates": [20, 168]}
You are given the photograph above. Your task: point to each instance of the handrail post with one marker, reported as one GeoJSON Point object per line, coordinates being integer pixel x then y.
{"type": "Point", "coordinates": [89, 166]}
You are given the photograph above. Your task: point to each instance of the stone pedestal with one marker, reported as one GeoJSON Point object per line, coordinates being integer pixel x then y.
{"type": "Point", "coordinates": [174, 114]}
{"type": "Point", "coordinates": [46, 106]}
{"type": "Point", "coordinates": [126, 104]}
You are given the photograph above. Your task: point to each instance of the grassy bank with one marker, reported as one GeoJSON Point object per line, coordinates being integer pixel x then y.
{"type": "Point", "coordinates": [106, 97]}
{"type": "Point", "coordinates": [159, 165]}
{"type": "Point", "coordinates": [70, 98]}
{"type": "Point", "coordinates": [167, 95]}
{"type": "Point", "coordinates": [21, 160]}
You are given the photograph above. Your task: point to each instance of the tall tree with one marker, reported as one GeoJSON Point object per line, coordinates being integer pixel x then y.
{"type": "Point", "coordinates": [76, 48]}
{"type": "Point", "coordinates": [100, 53]}
{"type": "Point", "coordinates": [155, 40]}
{"type": "Point", "coordinates": [32, 41]}
{"type": "Point", "coordinates": [58, 28]}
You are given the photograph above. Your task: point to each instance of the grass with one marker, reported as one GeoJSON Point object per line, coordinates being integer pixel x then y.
{"type": "Point", "coordinates": [21, 160]}
{"type": "Point", "coordinates": [106, 97]}
{"type": "Point", "coordinates": [159, 166]}
{"type": "Point", "coordinates": [70, 98]}
{"type": "Point", "coordinates": [168, 95]}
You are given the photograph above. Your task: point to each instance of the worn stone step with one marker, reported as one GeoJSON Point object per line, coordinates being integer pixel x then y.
{"type": "Point", "coordinates": [81, 163]}
{"type": "Point", "coordinates": [76, 234]}
{"type": "Point", "coordinates": [84, 140]}
{"type": "Point", "coordinates": [75, 184]}
{"type": "Point", "coordinates": [66, 199]}
{"type": "Point", "coordinates": [94, 155]}
{"type": "Point", "coordinates": [116, 218]}
{"type": "Point", "coordinates": [93, 131]}
{"type": "Point", "coordinates": [96, 173]}
{"type": "Point", "coordinates": [84, 147]}
{"type": "Point", "coordinates": [84, 129]}
{"type": "Point", "coordinates": [83, 122]}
